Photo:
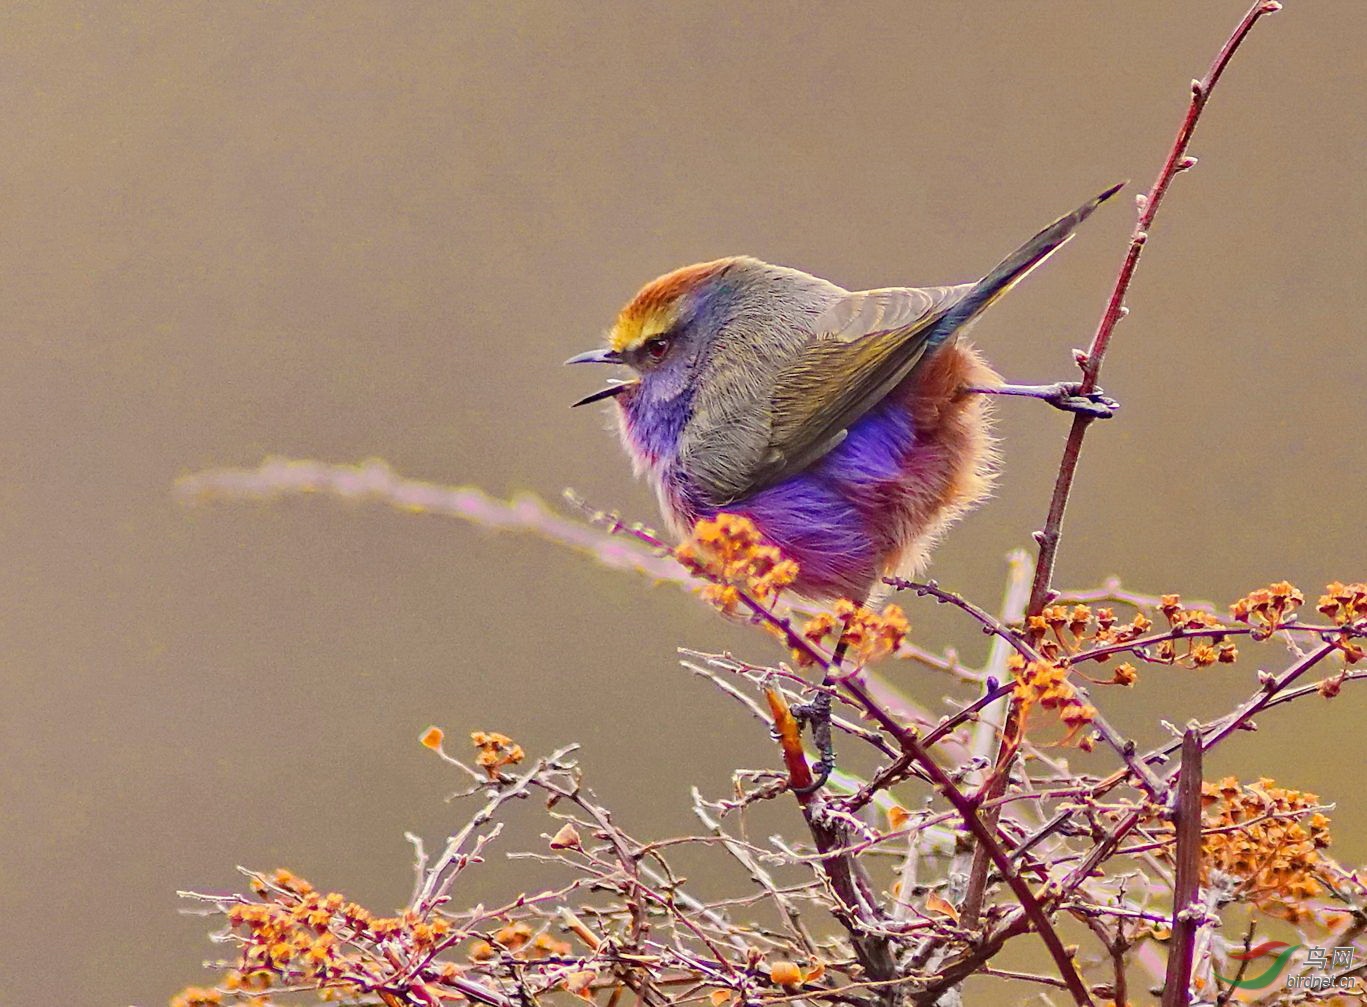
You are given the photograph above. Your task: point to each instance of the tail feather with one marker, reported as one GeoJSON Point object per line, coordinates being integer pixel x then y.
{"type": "Point", "coordinates": [1016, 266]}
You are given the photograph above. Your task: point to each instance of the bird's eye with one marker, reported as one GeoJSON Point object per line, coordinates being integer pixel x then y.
{"type": "Point", "coordinates": [656, 347]}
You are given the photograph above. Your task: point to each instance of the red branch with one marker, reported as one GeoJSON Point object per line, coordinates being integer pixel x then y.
{"type": "Point", "coordinates": [1048, 537]}
{"type": "Point", "coordinates": [1177, 161]}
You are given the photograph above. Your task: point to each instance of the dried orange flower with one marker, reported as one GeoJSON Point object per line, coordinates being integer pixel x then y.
{"type": "Point", "coordinates": [298, 937]}
{"type": "Point", "coordinates": [197, 996]}
{"type": "Point", "coordinates": [432, 738]}
{"type": "Point", "coordinates": [1269, 841]}
{"type": "Point", "coordinates": [495, 751]}
{"type": "Point", "coordinates": [1346, 605]}
{"type": "Point", "coordinates": [1068, 626]}
{"type": "Point", "coordinates": [725, 597]}
{"type": "Point", "coordinates": [1046, 684]}
{"type": "Point", "coordinates": [729, 551]}
{"type": "Point", "coordinates": [1125, 674]}
{"type": "Point", "coordinates": [290, 882]}
{"type": "Point", "coordinates": [1079, 629]}
{"type": "Point", "coordinates": [820, 626]}
{"type": "Point", "coordinates": [785, 974]}
{"type": "Point", "coordinates": [544, 944]}
{"type": "Point", "coordinates": [1268, 609]}
{"type": "Point", "coordinates": [514, 935]}
{"type": "Point", "coordinates": [868, 635]}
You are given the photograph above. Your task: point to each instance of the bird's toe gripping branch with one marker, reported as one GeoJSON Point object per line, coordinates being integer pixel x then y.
{"type": "Point", "coordinates": [1065, 395]}
{"type": "Point", "coordinates": [1069, 396]}
{"type": "Point", "coordinates": [818, 714]}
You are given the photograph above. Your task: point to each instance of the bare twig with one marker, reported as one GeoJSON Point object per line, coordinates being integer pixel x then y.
{"type": "Point", "coordinates": [1186, 909]}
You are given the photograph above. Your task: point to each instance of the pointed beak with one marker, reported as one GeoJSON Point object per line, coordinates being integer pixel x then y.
{"type": "Point", "coordinates": [603, 356]}
{"type": "Point", "coordinates": [605, 393]}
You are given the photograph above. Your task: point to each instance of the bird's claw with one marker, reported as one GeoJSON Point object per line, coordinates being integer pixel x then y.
{"type": "Point", "coordinates": [1069, 396]}
{"type": "Point", "coordinates": [817, 713]}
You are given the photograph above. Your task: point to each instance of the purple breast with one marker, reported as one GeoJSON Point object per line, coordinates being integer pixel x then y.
{"type": "Point", "coordinates": [838, 519]}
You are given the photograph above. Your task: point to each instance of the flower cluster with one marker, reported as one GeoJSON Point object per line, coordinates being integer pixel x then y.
{"type": "Point", "coordinates": [1268, 608]}
{"type": "Point", "coordinates": [296, 936]}
{"type": "Point", "coordinates": [1045, 684]}
{"type": "Point", "coordinates": [1268, 839]}
{"type": "Point", "coordinates": [868, 635]}
{"type": "Point", "coordinates": [730, 551]}
{"type": "Point", "coordinates": [495, 752]}
{"type": "Point", "coordinates": [1346, 605]}
{"type": "Point", "coordinates": [1193, 638]}
{"type": "Point", "coordinates": [1201, 651]}
{"type": "Point", "coordinates": [1061, 630]}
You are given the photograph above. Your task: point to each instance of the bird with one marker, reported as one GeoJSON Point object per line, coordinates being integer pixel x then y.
{"type": "Point", "coordinates": [851, 427]}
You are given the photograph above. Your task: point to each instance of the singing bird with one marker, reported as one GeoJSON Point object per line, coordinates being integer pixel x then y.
{"type": "Point", "coordinates": [851, 427]}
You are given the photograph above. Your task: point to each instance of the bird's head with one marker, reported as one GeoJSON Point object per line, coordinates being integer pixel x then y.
{"type": "Point", "coordinates": [664, 333]}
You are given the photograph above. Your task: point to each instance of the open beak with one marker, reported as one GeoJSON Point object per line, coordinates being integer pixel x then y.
{"type": "Point", "coordinates": [603, 356]}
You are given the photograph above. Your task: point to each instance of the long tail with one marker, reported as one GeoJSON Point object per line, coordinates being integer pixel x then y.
{"type": "Point", "coordinates": [1015, 267]}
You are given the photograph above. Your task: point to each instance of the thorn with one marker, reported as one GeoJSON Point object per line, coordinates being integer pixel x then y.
{"type": "Point", "coordinates": [1198, 88]}
{"type": "Point", "coordinates": [1080, 357]}
{"type": "Point", "coordinates": [1270, 7]}
{"type": "Point", "coordinates": [1038, 536]}
{"type": "Point", "coordinates": [1141, 200]}
{"type": "Point", "coordinates": [1140, 237]}
{"type": "Point", "coordinates": [1187, 163]}
{"type": "Point", "coordinates": [1124, 311]}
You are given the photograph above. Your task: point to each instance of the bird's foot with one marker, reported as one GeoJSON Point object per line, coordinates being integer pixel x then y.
{"type": "Point", "coordinates": [818, 714]}
{"type": "Point", "coordinates": [1065, 395]}
{"type": "Point", "coordinates": [1069, 396]}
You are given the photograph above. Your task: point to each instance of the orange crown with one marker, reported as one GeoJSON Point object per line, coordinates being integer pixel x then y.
{"type": "Point", "coordinates": [655, 307]}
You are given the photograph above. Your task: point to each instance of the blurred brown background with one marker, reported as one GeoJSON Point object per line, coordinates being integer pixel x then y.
{"type": "Point", "coordinates": [346, 230]}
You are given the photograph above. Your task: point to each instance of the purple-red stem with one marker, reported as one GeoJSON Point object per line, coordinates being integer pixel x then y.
{"type": "Point", "coordinates": [1048, 536]}
{"type": "Point", "coordinates": [1177, 161]}
{"type": "Point", "coordinates": [1186, 919]}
